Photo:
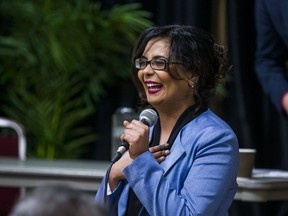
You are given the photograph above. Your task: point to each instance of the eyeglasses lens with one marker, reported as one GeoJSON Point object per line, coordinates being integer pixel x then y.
{"type": "Point", "coordinates": [157, 64]}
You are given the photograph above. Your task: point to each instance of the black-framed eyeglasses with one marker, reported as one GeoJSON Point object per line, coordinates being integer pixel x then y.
{"type": "Point", "coordinates": [156, 64]}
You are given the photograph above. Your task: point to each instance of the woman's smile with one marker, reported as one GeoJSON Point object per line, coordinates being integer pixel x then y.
{"type": "Point", "coordinates": [153, 87]}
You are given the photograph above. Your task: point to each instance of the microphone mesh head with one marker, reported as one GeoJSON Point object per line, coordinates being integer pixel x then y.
{"type": "Point", "coordinates": [148, 117]}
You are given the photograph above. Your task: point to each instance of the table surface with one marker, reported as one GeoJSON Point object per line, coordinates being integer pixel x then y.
{"type": "Point", "coordinates": [86, 175]}
{"type": "Point", "coordinates": [54, 167]}
{"type": "Point", "coordinates": [265, 185]}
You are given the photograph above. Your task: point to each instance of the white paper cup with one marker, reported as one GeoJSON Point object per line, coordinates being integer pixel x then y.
{"type": "Point", "coordinates": [246, 162]}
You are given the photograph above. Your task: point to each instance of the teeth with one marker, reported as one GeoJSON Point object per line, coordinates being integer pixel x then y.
{"type": "Point", "coordinates": [152, 84]}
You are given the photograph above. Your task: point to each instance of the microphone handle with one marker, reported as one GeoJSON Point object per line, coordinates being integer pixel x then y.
{"type": "Point", "coordinates": [120, 151]}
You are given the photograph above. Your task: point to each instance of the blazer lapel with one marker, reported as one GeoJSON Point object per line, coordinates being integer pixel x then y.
{"type": "Point", "coordinates": [176, 152]}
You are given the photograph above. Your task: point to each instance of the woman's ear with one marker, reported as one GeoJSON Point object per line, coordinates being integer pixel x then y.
{"type": "Point", "coordinates": [192, 81]}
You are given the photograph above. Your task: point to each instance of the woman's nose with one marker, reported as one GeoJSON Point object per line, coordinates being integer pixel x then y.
{"type": "Point", "coordinates": [148, 70]}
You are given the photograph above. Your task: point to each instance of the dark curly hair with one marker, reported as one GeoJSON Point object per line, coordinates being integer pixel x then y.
{"type": "Point", "coordinates": [199, 54]}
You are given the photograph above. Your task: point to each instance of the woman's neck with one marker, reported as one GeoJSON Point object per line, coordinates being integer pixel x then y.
{"type": "Point", "coordinates": [168, 119]}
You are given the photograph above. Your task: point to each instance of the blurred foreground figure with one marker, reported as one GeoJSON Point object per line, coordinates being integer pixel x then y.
{"type": "Point", "coordinates": [57, 200]}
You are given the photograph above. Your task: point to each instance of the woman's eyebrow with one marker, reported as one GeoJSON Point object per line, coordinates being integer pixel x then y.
{"type": "Point", "coordinates": [159, 56]}
{"type": "Point", "coordinates": [155, 57]}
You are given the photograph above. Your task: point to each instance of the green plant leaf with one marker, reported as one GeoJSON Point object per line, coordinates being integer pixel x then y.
{"type": "Point", "coordinates": [56, 62]}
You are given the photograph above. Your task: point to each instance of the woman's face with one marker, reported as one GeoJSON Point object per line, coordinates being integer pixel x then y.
{"type": "Point", "coordinates": [160, 88]}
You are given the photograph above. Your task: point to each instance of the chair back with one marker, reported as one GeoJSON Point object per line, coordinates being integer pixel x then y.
{"type": "Point", "coordinates": [11, 146]}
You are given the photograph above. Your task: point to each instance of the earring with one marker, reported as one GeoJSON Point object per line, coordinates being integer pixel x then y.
{"type": "Point", "coordinates": [191, 84]}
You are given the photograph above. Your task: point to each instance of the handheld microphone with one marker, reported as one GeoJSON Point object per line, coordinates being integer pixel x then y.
{"type": "Point", "coordinates": [148, 117]}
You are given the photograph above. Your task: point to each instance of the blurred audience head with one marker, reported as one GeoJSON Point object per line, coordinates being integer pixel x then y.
{"type": "Point", "coordinates": [57, 200]}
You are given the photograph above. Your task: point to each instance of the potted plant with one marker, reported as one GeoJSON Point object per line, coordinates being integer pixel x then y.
{"type": "Point", "coordinates": [55, 59]}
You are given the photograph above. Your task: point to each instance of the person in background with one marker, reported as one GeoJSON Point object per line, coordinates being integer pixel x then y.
{"type": "Point", "coordinates": [57, 200]}
{"type": "Point", "coordinates": [271, 59]}
{"type": "Point", "coordinates": [175, 70]}
{"type": "Point", "coordinates": [271, 67]}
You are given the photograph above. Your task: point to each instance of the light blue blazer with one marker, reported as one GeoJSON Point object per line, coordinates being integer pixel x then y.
{"type": "Point", "coordinates": [197, 178]}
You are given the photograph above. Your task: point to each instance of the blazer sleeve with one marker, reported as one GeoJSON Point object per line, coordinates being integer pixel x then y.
{"type": "Point", "coordinates": [112, 199]}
